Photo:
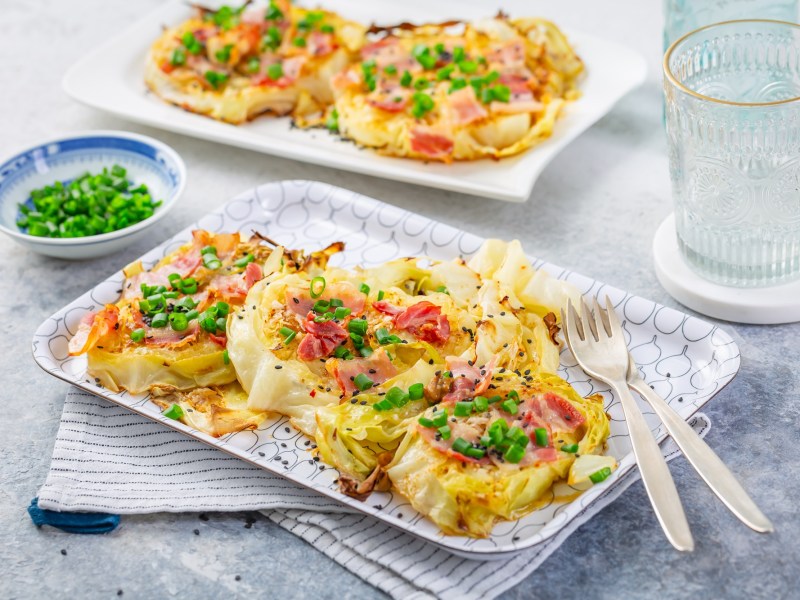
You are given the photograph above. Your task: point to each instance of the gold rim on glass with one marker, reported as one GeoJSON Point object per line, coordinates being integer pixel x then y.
{"type": "Point", "coordinates": [668, 73]}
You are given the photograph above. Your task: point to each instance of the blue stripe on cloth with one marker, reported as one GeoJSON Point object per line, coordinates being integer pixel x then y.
{"type": "Point", "coordinates": [73, 522]}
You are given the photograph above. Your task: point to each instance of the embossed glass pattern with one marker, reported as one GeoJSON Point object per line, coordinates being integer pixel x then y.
{"type": "Point", "coordinates": [733, 127]}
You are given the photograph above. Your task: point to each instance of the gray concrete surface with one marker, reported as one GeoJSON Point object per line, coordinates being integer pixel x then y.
{"type": "Point", "coordinates": [594, 210]}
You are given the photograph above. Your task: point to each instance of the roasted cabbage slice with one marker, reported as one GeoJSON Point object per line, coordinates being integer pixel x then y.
{"type": "Point", "coordinates": [491, 88]}
{"type": "Point", "coordinates": [469, 464]}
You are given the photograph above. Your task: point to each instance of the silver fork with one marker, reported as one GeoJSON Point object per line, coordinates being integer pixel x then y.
{"type": "Point", "coordinates": [600, 350]}
{"type": "Point", "coordinates": [713, 471]}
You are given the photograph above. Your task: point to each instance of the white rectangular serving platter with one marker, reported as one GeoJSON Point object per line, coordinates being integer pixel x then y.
{"type": "Point", "coordinates": [683, 358]}
{"type": "Point", "coordinates": [111, 79]}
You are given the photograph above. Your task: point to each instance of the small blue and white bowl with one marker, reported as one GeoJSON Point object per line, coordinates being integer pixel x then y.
{"type": "Point", "coordinates": [147, 161]}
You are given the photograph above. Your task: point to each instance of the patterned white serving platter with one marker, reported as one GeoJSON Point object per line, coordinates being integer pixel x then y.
{"type": "Point", "coordinates": [111, 78]}
{"type": "Point", "coordinates": [683, 358]}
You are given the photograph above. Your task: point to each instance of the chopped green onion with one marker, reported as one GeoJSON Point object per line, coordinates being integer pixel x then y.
{"type": "Point", "coordinates": [384, 337]}
{"type": "Point", "coordinates": [467, 66]}
{"type": "Point", "coordinates": [192, 314]}
{"type": "Point", "coordinates": [406, 79]}
{"type": "Point", "coordinates": [334, 302]}
{"type": "Point", "coordinates": [421, 84]}
{"type": "Point", "coordinates": [321, 306]}
{"type": "Point", "coordinates": [191, 43]}
{"type": "Point", "coordinates": [275, 71]}
{"type": "Point", "coordinates": [425, 422]}
{"type": "Point", "coordinates": [600, 475]}
{"type": "Point", "coordinates": [159, 320]}
{"type": "Point", "coordinates": [174, 280]}
{"type": "Point", "coordinates": [222, 323]}
{"type": "Point", "coordinates": [461, 445]}
{"type": "Point", "coordinates": [358, 326]}
{"type": "Point", "coordinates": [421, 104]}
{"type": "Point", "coordinates": [541, 436]}
{"type": "Point", "coordinates": [341, 312]}
{"type": "Point", "coordinates": [365, 351]}
{"type": "Point", "coordinates": [223, 308]}
{"type": "Point", "coordinates": [390, 70]}
{"type": "Point", "coordinates": [178, 321]}
{"type": "Point", "coordinates": [474, 452]}
{"type": "Point", "coordinates": [327, 28]}
{"type": "Point", "coordinates": [423, 55]}
{"type": "Point", "coordinates": [216, 79]}
{"type": "Point", "coordinates": [364, 289]}
{"type": "Point", "coordinates": [514, 453]}
{"type": "Point", "coordinates": [458, 54]}
{"type": "Point", "coordinates": [178, 58]}
{"type": "Point", "coordinates": [495, 399]}
{"type": "Point", "coordinates": [481, 403]}
{"type": "Point", "coordinates": [363, 382]}
{"type": "Point", "coordinates": [226, 359]}
{"type": "Point", "coordinates": [358, 341]}
{"type": "Point", "coordinates": [342, 352]}
{"type": "Point", "coordinates": [445, 432]}
{"type": "Point", "coordinates": [509, 406]}
{"type": "Point", "coordinates": [397, 397]}
{"type": "Point", "coordinates": [288, 334]}
{"type": "Point", "coordinates": [463, 409]}
{"type": "Point", "coordinates": [272, 39]}
{"type": "Point", "coordinates": [273, 12]}
{"type": "Point", "coordinates": [380, 295]}
{"type": "Point", "coordinates": [224, 55]}
{"type": "Point", "coordinates": [173, 412]}
{"type": "Point", "coordinates": [253, 65]}
{"type": "Point", "coordinates": [332, 122]}
{"type": "Point", "coordinates": [317, 286]}
{"type": "Point", "coordinates": [323, 318]}
{"type": "Point", "coordinates": [571, 448]}
{"type": "Point", "coordinates": [442, 290]}
{"type": "Point", "coordinates": [244, 261]}
{"type": "Point", "coordinates": [188, 285]}
{"type": "Point", "coordinates": [513, 395]}
{"type": "Point", "coordinates": [457, 84]}
{"type": "Point", "coordinates": [440, 418]}
{"type": "Point", "coordinates": [299, 42]}
{"type": "Point", "coordinates": [444, 73]}
{"type": "Point", "coordinates": [416, 391]}
{"type": "Point", "coordinates": [382, 405]}
{"type": "Point", "coordinates": [137, 335]}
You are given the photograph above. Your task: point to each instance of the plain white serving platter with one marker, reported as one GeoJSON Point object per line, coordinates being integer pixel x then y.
{"type": "Point", "coordinates": [111, 79]}
{"type": "Point", "coordinates": [683, 358]}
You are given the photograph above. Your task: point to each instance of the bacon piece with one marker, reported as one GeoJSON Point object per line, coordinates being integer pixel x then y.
{"type": "Point", "coordinates": [459, 429]}
{"type": "Point", "coordinates": [220, 340]}
{"type": "Point", "coordinates": [265, 81]}
{"type": "Point", "coordinates": [468, 381]}
{"type": "Point", "coordinates": [93, 328]}
{"type": "Point", "coordinates": [430, 143]}
{"type": "Point", "coordinates": [387, 308]}
{"type": "Point", "coordinates": [300, 302]}
{"type": "Point", "coordinates": [320, 44]}
{"type": "Point", "coordinates": [511, 53]}
{"type": "Point", "coordinates": [321, 338]}
{"type": "Point", "coordinates": [378, 367]}
{"type": "Point", "coordinates": [393, 103]}
{"type": "Point", "coordinates": [465, 105]}
{"type": "Point", "coordinates": [292, 67]}
{"type": "Point", "coordinates": [166, 336]}
{"type": "Point", "coordinates": [344, 80]}
{"type": "Point", "coordinates": [516, 83]}
{"type": "Point", "coordinates": [252, 273]}
{"type": "Point", "coordinates": [554, 412]}
{"type": "Point", "coordinates": [425, 321]}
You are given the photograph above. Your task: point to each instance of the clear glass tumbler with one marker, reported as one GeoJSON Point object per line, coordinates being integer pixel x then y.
{"type": "Point", "coordinates": [732, 95]}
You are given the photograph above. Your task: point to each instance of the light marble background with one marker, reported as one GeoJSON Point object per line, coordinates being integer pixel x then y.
{"type": "Point", "coordinates": [594, 210]}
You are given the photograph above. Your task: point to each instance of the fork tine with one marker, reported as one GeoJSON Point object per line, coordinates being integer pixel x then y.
{"type": "Point", "coordinates": [588, 321]}
{"type": "Point", "coordinates": [572, 323]}
{"type": "Point", "coordinates": [602, 318]}
{"type": "Point", "coordinates": [615, 327]}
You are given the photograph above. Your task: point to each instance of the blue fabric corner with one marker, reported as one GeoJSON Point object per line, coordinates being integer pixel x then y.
{"type": "Point", "coordinates": [72, 522]}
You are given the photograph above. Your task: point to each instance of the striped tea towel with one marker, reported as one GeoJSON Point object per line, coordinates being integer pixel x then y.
{"type": "Point", "coordinates": [111, 460]}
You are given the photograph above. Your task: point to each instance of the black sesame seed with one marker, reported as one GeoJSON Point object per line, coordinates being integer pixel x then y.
{"type": "Point", "coordinates": [63, 552]}
{"type": "Point", "coordinates": [203, 517]}
{"type": "Point", "coordinates": [238, 578]}
{"type": "Point", "coordinates": [196, 532]}
{"type": "Point", "coordinates": [278, 366]}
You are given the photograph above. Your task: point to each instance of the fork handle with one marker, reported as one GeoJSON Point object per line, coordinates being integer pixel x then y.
{"type": "Point", "coordinates": [710, 467]}
{"type": "Point", "coordinates": [656, 477]}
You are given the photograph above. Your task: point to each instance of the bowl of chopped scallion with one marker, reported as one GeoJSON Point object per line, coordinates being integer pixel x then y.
{"type": "Point", "coordinates": [88, 195]}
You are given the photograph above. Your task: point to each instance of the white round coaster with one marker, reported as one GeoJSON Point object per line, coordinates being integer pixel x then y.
{"type": "Point", "coordinates": [760, 306]}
